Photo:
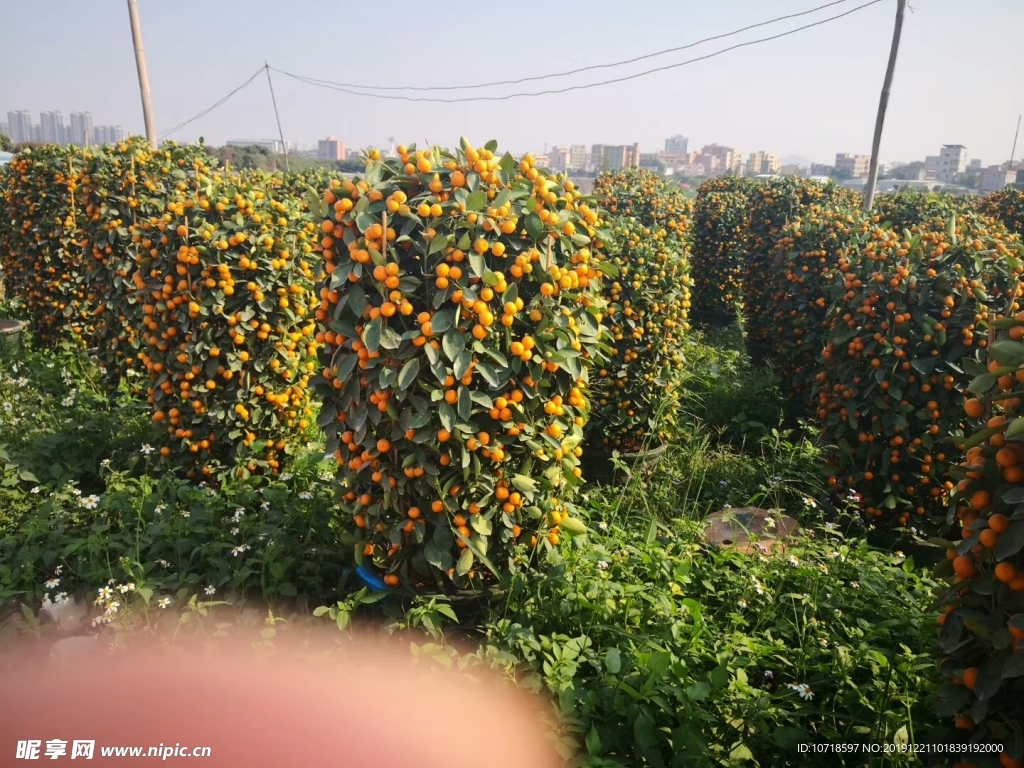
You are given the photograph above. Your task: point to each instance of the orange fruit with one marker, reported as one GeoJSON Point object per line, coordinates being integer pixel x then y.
{"type": "Point", "coordinates": [974, 408]}
{"type": "Point", "coordinates": [999, 522]}
{"type": "Point", "coordinates": [1006, 572]}
{"type": "Point", "coordinates": [971, 677]}
{"type": "Point", "coordinates": [963, 566]}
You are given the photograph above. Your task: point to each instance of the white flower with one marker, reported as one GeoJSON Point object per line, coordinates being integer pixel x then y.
{"type": "Point", "coordinates": [68, 401]}
{"type": "Point", "coordinates": [793, 561]}
{"type": "Point", "coordinates": [305, 495]}
{"type": "Point", "coordinates": [37, 489]}
{"type": "Point", "coordinates": [235, 531]}
{"type": "Point", "coordinates": [146, 449]}
{"type": "Point", "coordinates": [824, 568]}
{"type": "Point", "coordinates": [124, 588]}
{"type": "Point", "coordinates": [105, 593]}
{"type": "Point", "coordinates": [769, 522]}
{"type": "Point", "coordinates": [838, 613]}
{"type": "Point", "coordinates": [830, 526]}
{"type": "Point", "coordinates": [46, 599]}
{"type": "Point", "coordinates": [603, 525]}
{"type": "Point", "coordinates": [602, 564]}
{"type": "Point", "coordinates": [285, 477]}
{"type": "Point", "coordinates": [265, 506]}
{"type": "Point", "coordinates": [58, 569]}
{"type": "Point", "coordinates": [111, 582]}
{"type": "Point", "coordinates": [159, 509]}
{"type": "Point", "coordinates": [74, 490]}
{"type": "Point", "coordinates": [855, 584]}
{"type": "Point", "coordinates": [164, 563]}
{"type": "Point", "coordinates": [326, 477]}
{"type": "Point", "coordinates": [727, 506]}
{"type": "Point", "coordinates": [113, 607]}
{"type": "Point", "coordinates": [239, 512]}
{"type": "Point", "coordinates": [899, 554]}
{"type": "Point", "coordinates": [742, 603]}
{"type": "Point", "coordinates": [803, 689]}
{"type": "Point", "coordinates": [60, 597]}
{"type": "Point", "coordinates": [185, 513]}
{"type": "Point", "coordinates": [163, 602]}
{"type": "Point", "coordinates": [105, 463]}
{"type": "Point", "coordinates": [809, 502]}
{"type": "Point", "coordinates": [52, 583]}
{"type": "Point", "coordinates": [90, 502]}
{"type": "Point", "coordinates": [236, 551]}
{"type": "Point", "coordinates": [210, 590]}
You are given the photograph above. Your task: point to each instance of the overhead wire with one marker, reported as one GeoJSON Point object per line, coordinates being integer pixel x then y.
{"type": "Point", "coordinates": [210, 109]}
{"type": "Point", "coordinates": [567, 89]}
{"type": "Point", "coordinates": [566, 73]}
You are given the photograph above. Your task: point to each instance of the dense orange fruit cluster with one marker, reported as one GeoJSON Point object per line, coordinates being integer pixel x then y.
{"type": "Point", "coordinates": [910, 309]}
{"type": "Point", "coordinates": [1007, 205]}
{"type": "Point", "coordinates": [459, 316]}
{"type": "Point", "coordinates": [719, 243]}
{"type": "Point", "coordinates": [983, 609]}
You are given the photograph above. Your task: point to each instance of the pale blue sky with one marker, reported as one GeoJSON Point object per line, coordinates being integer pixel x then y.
{"type": "Point", "coordinates": [959, 79]}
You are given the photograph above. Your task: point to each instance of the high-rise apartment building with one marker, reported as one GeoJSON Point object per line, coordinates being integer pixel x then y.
{"type": "Point", "coordinates": [579, 157]}
{"type": "Point", "coordinates": [330, 149]}
{"type": "Point", "coordinates": [677, 145]}
{"type": "Point", "coordinates": [79, 130]}
{"type": "Point", "coordinates": [107, 134]}
{"type": "Point", "coordinates": [730, 159]}
{"type": "Point", "coordinates": [559, 158]}
{"type": "Point", "coordinates": [19, 123]}
{"type": "Point", "coordinates": [51, 127]}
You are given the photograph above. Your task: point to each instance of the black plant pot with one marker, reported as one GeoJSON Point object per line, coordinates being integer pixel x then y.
{"type": "Point", "coordinates": [710, 318]}
{"type": "Point", "coordinates": [760, 354]}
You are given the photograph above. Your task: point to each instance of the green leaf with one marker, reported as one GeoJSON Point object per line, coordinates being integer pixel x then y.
{"type": "Point", "coordinates": [465, 403]}
{"type": "Point", "coordinates": [534, 226]}
{"type": "Point", "coordinates": [476, 200]}
{"type": "Point", "coordinates": [1010, 542]}
{"type": "Point", "coordinates": [593, 742]}
{"type": "Point", "coordinates": [465, 562]}
{"type": "Point", "coordinates": [1007, 352]}
{"type": "Point", "coordinates": [480, 524]}
{"type": "Point", "coordinates": [613, 661]}
{"type": "Point", "coordinates": [1016, 428]}
{"type": "Point", "coordinates": [462, 363]}
{"type": "Point", "coordinates": [442, 320]}
{"type": "Point", "coordinates": [453, 343]}
{"type": "Point", "coordinates": [439, 243]}
{"type": "Point", "coordinates": [524, 483]}
{"type": "Point", "coordinates": [982, 384]}
{"type": "Point", "coordinates": [740, 753]}
{"type": "Point", "coordinates": [698, 691]}
{"type": "Point", "coordinates": [408, 374]}
{"type": "Point", "coordinates": [371, 335]}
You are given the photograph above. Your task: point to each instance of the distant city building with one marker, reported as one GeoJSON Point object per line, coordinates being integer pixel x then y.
{"type": "Point", "coordinates": [559, 158]}
{"type": "Point", "coordinates": [650, 160]}
{"type": "Point", "coordinates": [974, 165]}
{"type": "Point", "coordinates": [995, 177]}
{"type": "Point", "coordinates": [107, 134]}
{"type": "Point", "coordinates": [614, 157]}
{"type": "Point", "coordinates": [19, 123]}
{"type": "Point", "coordinates": [856, 165]}
{"type": "Point", "coordinates": [579, 157]}
{"type": "Point", "coordinates": [691, 169]}
{"type": "Point", "coordinates": [951, 160]}
{"type": "Point", "coordinates": [763, 164]}
{"type": "Point", "coordinates": [271, 145]}
{"type": "Point", "coordinates": [677, 145]}
{"type": "Point", "coordinates": [330, 149]}
{"type": "Point", "coordinates": [541, 161]}
{"type": "Point", "coordinates": [51, 127]}
{"type": "Point", "coordinates": [793, 170]}
{"type": "Point", "coordinates": [5, 130]}
{"type": "Point", "coordinates": [730, 159]}
{"type": "Point", "coordinates": [79, 130]}
{"type": "Point", "coordinates": [672, 160]}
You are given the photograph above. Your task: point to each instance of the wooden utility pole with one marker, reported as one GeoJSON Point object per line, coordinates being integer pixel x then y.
{"type": "Point", "coordinates": [140, 63]}
{"type": "Point", "coordinates": [883, 102]}
{"type": "Point", "coordinates": [1014, 150]}
{"type": "Point", "coordinates": [280, 133]}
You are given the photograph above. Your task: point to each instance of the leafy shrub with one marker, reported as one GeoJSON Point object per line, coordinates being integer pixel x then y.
{"type": "Point", "coordinates": [719, 236]}
{"type": "Point", "coordinates": [983, 608]}
{"type": "Point", "coordinates": [901, 210]}
{"type": "Point", "coordinates": [908, 315]}
{"type": "Point", "coordinates": [1007, 205]}
{"type": "Point", "coordinates": [460, 317]}
{"type": "Point", "coordinates": [797, 285]}
{"type": "Point", "coordinates": [228, 340]}
{"type": "Point", "coordinates": [124, 185]}
{"type": "Point", "coordinates": [659, 651]}
{"type": "Point", "coordinates": [652, 200]}
{"type": "Point", "coordinates": [636, 388]}
{"type": "Point", "coordinates": [771, 204]}
{"type": "Point", "coordinates": [39, 231]}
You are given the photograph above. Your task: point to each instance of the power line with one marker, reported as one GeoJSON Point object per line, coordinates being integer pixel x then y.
{"type": "Point", "coordinates": [580, 69]}
{"type": "Point", "coordinates": [324, 84]}
{"type": "Point", "coordinates": [212, 107]}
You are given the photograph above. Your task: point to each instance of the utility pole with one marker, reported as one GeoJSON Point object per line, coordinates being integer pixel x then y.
{"type": "Point", "coordinates": [883, 102]}
{"type": "Point", "coordinates": [1014, 150]}
{"type": "Point", "coordinates": [280, 133]}
{"type": "Point", "coordinates": [140, 63]}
